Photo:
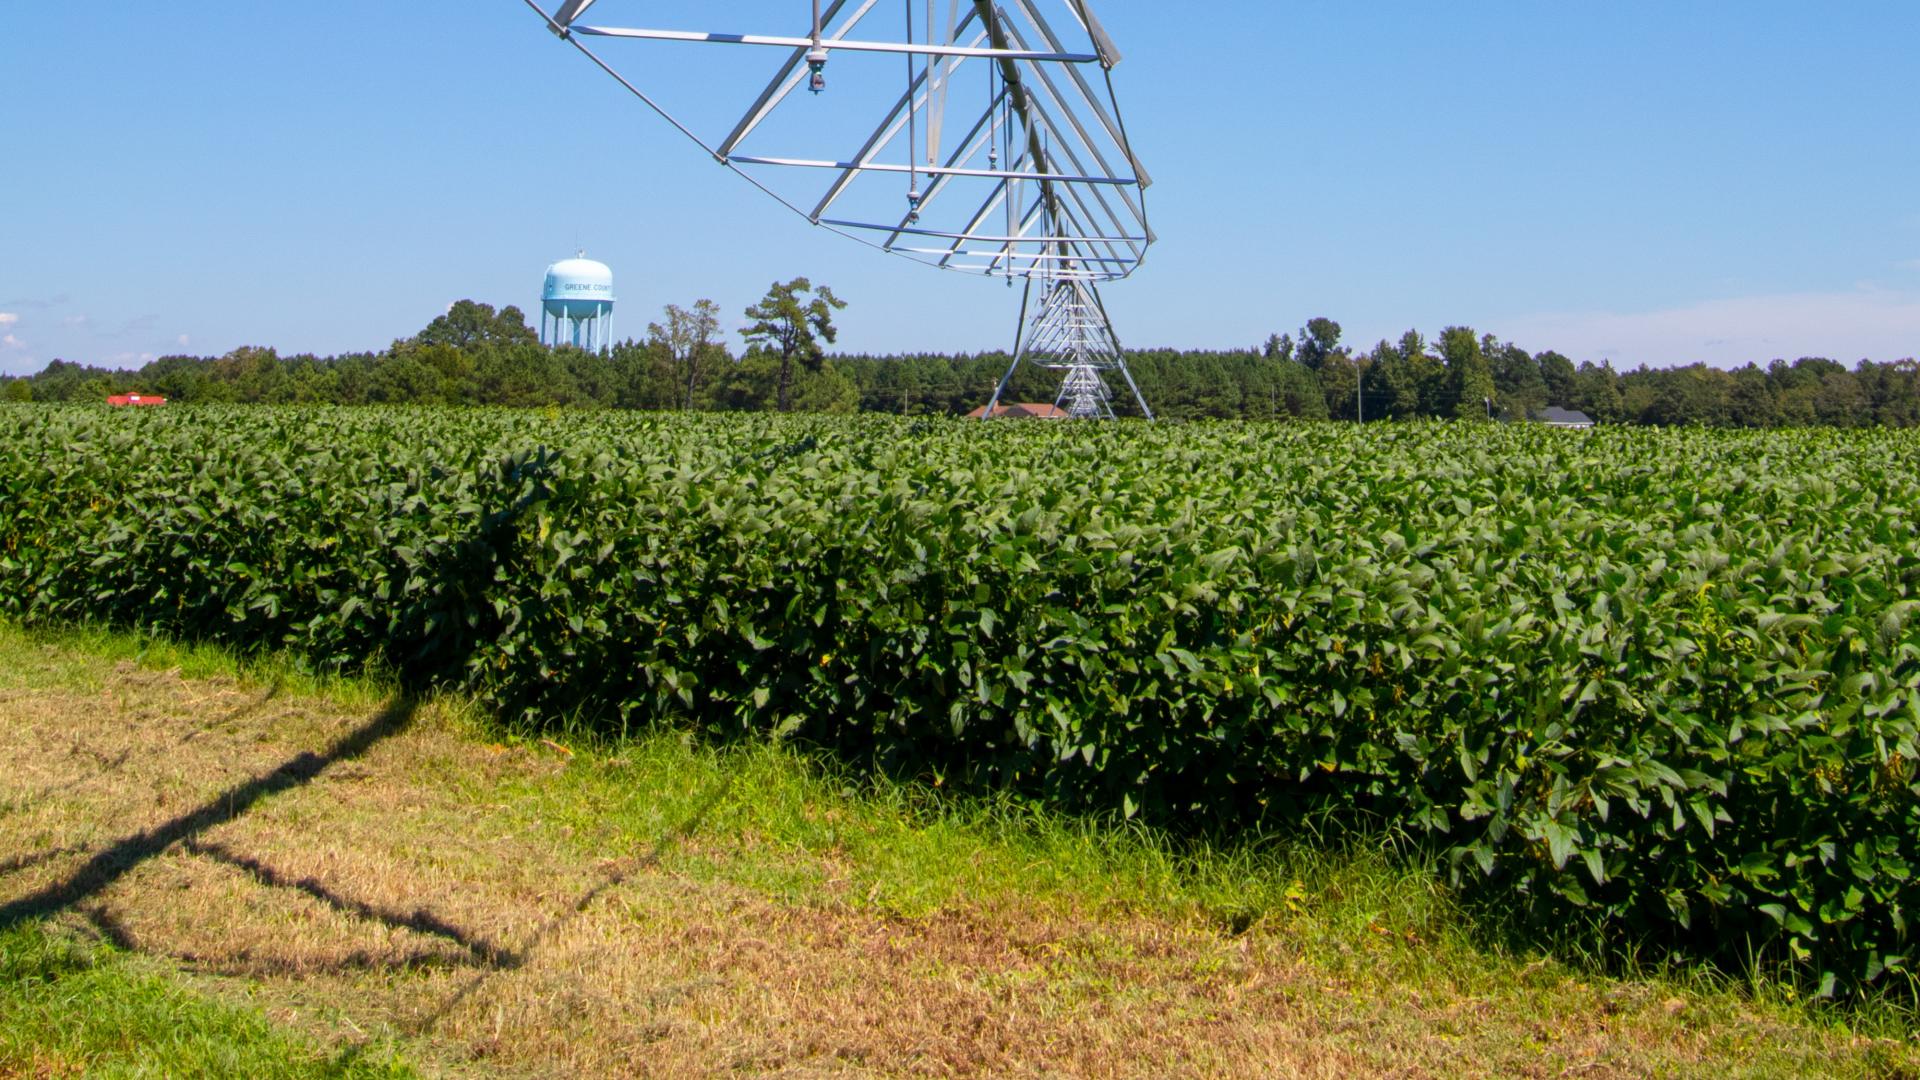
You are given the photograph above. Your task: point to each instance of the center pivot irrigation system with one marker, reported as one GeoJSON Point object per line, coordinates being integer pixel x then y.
{"type": "Point", "coordinates": [1040, 183]}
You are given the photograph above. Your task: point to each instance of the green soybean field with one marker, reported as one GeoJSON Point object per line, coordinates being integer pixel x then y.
{"type": "Point", "coordinates": [1665, 679]}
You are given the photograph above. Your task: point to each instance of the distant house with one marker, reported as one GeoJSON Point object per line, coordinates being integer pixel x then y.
{"type": "Point", "coordinates": [1555, 416]}
{"type": "Point", "coordinates": [1018, 410]}
{"type": "Point", "coordinates": [136, 399]}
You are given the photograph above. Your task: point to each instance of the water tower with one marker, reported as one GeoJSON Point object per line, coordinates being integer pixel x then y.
{"type": "Point", "coordinates": [577, 303]}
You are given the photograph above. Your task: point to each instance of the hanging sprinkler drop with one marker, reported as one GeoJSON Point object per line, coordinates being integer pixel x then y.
{"type": "Point", "coordinates": [816, 56]}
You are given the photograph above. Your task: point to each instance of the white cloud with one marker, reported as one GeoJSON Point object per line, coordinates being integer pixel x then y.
{"type": "Point", "coordinates": [11, 342]}
{"type": "Point", "coordinates": [1867, 323]}
{"type": "Point", "coordinates": [181, 340]}
{"type": "Point", "coordinates": [8, 318]}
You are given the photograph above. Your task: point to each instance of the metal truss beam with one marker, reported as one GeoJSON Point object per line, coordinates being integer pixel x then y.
{"type": "Point", "coordinates": [1047, 150]}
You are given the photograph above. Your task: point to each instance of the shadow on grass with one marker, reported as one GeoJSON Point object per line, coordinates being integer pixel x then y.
{"type": "Point", "coordinates": [114, 931]}
{"type": "Point", "coordinates": [121, 857]}
{"type": "Point", "coordinates": [615, 875]}
{"type": "Point", "coordinates": [16, 863]}
{"type": "Point", "coordinates": [420, 920]}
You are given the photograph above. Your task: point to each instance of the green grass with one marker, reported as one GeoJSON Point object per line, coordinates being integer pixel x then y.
{"type": "Point", "coordinates": [84, 1008]}
{"type": "Point", "coordinates": [1363, 912]}
{"type": "Point", "coordinates": [1367, 914]}
{"type": "Point", "coordinates": [75, 1008]}
{"type": "Point", "coordinates": [1370, 922]}
{"type": "Point", "coordinates": [73, 663]}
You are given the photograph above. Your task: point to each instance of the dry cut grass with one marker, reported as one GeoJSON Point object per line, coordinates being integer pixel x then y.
{"type": "Point", "coordinates": [380, 871]}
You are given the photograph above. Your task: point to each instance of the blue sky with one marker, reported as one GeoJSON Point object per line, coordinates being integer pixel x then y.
{"type": "Point", "coordinates": [1646, 182]}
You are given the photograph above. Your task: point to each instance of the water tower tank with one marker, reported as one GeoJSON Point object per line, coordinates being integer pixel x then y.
{"type": "Point", "coordinates": [578, 298]}
{"type": "Point", "coordinates": [575, 287]}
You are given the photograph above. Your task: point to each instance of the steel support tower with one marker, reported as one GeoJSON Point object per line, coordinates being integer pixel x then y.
{"type": "Point", "coordinates": [1070, 332]}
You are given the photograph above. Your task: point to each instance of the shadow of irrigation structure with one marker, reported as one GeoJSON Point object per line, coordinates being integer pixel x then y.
{"type": "Point", "coordinates": [78, 892]}
{"type": "Point", "coordinates": [419, 920]}
{"type": "Point", "coordinates": [119, 858]}
{"type": "Point", "coordinates": [615, 876]}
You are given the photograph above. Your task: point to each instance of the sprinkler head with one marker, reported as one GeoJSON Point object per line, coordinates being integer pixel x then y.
{"type": "Point", "coordinates": [913, 205]}
{"type": "Point", "coordinates": [817, 64]}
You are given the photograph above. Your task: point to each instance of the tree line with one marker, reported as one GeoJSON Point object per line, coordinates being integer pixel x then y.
{"type": "Point", "coordinates": [477, 355]}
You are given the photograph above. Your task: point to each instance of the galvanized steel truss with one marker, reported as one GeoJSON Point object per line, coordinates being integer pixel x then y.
{"type": "Point", "coordinates": [1042, 182]}
{"type": "Point", "coordinates": [1070, 332]}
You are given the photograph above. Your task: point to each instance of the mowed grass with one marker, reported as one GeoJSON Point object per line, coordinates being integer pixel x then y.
{"type": "Point", "coordinates": [74, 1008]}
{"type": "Point", "coordinates": [420, 884]}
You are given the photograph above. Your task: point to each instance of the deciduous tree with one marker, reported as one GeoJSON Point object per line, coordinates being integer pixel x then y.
{"type": "Point", "coordinates": [691, 341]}
{"type": "Point", "coordinates": [1469, 376]}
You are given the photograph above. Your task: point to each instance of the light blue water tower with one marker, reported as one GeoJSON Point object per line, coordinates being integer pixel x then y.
{"type": "Point", "coordinates": [577, 303]}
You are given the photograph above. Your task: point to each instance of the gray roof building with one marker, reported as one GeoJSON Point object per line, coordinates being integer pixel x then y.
{"type": "Point", "coordinates": [1555, 416]}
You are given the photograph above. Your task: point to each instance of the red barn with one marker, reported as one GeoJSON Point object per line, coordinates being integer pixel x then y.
{"type": "Point", "coordinates": [136, 399]}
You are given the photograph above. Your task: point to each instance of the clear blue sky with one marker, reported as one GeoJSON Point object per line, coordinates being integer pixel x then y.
{"type": "Point", "coordinates": [1648, 182]}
